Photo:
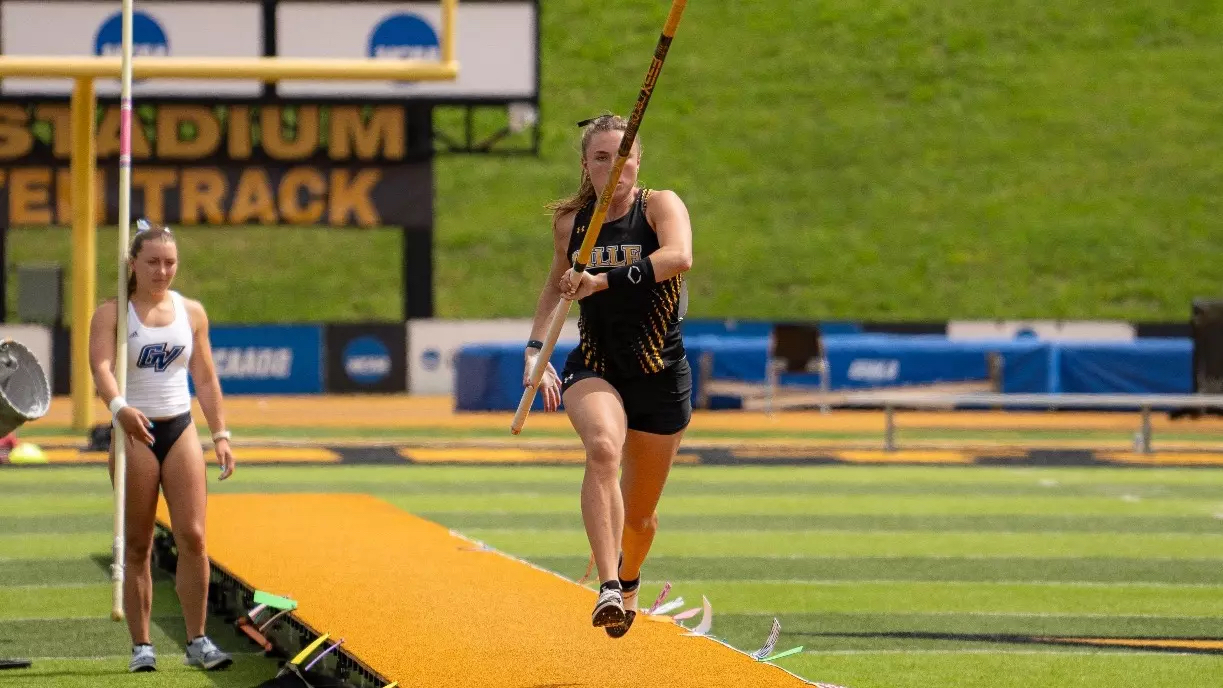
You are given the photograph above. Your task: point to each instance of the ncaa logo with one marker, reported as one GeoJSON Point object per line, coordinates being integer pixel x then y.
{"type": "Point", "coordinates": [406, 37]}
{"type": "Point", "coordinates": [431, 359]}
{"type": "Point", "coordinates": [366, 360]}
{"type": "Point", "coordinates": [148, 37]}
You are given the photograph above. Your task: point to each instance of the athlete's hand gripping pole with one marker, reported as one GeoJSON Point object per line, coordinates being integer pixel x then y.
{"type": "Point", "coordinates": [600, 213]}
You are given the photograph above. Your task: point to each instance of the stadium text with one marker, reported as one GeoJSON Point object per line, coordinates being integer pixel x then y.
{"type": "Point", "coordinates": [213, 164]}
{"type": "Point", "coordinates": [179, 133]}
{"type": "Point", "coordinates": [299, 195]}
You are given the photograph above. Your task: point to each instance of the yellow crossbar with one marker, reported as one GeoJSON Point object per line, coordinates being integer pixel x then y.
{"type": "Point", "coordinates": [262, 68]}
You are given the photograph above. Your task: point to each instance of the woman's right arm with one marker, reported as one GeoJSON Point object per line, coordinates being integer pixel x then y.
{"type": "Point", "coordinates": [102, 363]}
{"type": "Point", "coordinates": [102, 351]}
{"type": "Point", "coordinates": [550, 295]}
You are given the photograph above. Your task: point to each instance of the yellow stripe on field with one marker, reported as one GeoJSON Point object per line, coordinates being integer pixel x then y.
{"type": "Point", "coordinates": [1164, 458]}
{"type": "Point", "coordinates": [241, 454]}
{"type": "Point", "coordinates": [505, 455]}
{"type": "Point", "coordinates": [58, 455]}
{"type": "Point", "coordinates": [424, 607]}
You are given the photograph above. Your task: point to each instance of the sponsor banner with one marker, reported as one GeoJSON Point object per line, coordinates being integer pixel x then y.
{"type": "Point", "coordinates": [433, 344]}
{"type": "Point", "coordinates": [339, 165]}
{"type": "Point", "coordinates": [1048, 330]}
{"type": "Point", "coordinates": [366, 358]}
{"type": "Point", "coordinates": [38, 339]}
{"type": "Point", "coordinates": [495, 46]}
{"type": "Point", "coordinates": [180, 29]}
{"type": "Point", "coordinates": [268, 359]}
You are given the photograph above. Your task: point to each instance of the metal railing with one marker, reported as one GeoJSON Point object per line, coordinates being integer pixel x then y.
{"type": "Point", "coordinates": [890, 400]}
{"type": "Point", "coordinates": [770, 397]}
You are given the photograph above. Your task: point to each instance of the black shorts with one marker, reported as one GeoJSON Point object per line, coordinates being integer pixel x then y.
{"type": "Point", "coordinates": [166, 433]}
{"type": "Point", "coordinates": [658, 403]}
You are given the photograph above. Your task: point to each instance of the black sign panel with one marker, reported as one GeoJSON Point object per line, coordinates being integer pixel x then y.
{"type": "Point", "coordinates": [366, 357]}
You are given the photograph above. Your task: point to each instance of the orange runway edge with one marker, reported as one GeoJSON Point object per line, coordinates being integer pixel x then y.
{"type": "Point", "coordinates": [423, 607]}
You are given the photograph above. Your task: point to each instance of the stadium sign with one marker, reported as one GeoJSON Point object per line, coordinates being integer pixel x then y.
{"type": "Point", "coordinates": [497, 44]}
{"type": "Point", "coordinates": [181, 28]}
{"type": "Point", "coordinates": [302, 152]}
{"type": "Point", "coordinates": [339, 164]}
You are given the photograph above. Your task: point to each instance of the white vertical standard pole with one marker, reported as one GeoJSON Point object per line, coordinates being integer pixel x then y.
{"type": "Point", "coordinates": [125, 190]}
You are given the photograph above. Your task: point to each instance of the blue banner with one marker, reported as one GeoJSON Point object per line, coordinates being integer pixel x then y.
{"type": "Point", "coordinates": [269, 359]}
{"type": "Point", "coordinates": [489, 376]}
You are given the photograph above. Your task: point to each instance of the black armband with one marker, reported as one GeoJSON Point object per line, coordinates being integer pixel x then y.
{"type": "Point", "coordinates": [535, 344]}
{"type": "Point", "coordinates": [636, 275]}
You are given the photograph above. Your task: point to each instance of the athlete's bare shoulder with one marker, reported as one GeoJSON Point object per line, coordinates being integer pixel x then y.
{"type": "Point", "coordinates": [107, 309]}
{"type": "Point", "coordinates": [662, 199]}
{"type": "Point", "coordinates": [663, 205]}
{"type": "Point", "coordinates": [562, 228]}
{"type": "Point", "coordinates": [104, 321]}
{"type": "Point", "coordinates": [195, 310]}
{"type": "Point", "coordinates": [193, 306]}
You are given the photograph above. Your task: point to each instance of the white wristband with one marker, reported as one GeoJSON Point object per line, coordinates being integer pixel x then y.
{"type": "Point", "coordinates": [222, 435]}
{"type": "Point", "coordinates": [117, 404]}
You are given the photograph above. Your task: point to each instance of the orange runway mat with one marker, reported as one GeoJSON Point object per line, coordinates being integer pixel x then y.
{"type": "Point", "coordinates": [423, 607]}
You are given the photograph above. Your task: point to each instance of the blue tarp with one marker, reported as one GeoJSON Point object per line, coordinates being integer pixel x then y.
{"type": "Point", "coordinates": [489, 376]}
{"type": "Point", "coordinates": [1155, 366]}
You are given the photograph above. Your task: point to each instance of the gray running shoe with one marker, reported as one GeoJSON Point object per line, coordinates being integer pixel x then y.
{"type": "Point", "coordinates": [143, 659]}
{"type": "Point", "coordinates": [629, 599]}
{"type": "Point", "coordinates": [609, 608]}
{"type": "Point", "coordinates": [202, 653]}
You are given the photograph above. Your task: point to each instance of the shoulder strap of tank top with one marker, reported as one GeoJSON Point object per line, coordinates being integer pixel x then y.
{"type": "Point", "coordinates": [581, 219]}
{"type": "Point", "coordinates": [180, 308]}
{"type": "Point", "coordinates": [644, 199]}
{"type": "Point", "coordinates": [133, 318]}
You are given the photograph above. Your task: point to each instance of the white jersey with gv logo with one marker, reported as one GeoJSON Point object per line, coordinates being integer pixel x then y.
{"type": "Point", "coordinates": [157, 359]}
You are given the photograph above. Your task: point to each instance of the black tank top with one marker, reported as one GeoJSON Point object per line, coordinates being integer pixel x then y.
{"type": "Point", "coordinates": [627, 333]}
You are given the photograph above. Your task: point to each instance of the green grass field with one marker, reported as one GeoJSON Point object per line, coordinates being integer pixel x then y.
{"type": "Point", "coordinates": [970, 159]}
{"type": "Point", "coordinates": [889, 576]}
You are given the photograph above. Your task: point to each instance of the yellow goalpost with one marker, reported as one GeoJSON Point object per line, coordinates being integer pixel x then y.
{"type": "Point", "coordinates": [84, 70]}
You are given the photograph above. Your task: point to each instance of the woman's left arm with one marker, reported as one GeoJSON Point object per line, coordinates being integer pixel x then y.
{"type": "Point", "coordinates": [208, 386]}
{"type": "Point", "coordinates": [669, 217]}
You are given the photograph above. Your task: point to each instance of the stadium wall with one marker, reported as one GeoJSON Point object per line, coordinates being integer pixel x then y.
{"type": "Point", "coordinates": [480, 361]}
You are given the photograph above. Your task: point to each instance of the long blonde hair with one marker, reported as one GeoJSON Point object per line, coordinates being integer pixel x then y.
{"type": "Point", "coordinates": [586, 189]}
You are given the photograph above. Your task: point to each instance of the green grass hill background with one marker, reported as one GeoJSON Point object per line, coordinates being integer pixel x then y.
{"type": "Point", "coordinates": [844, 159]}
